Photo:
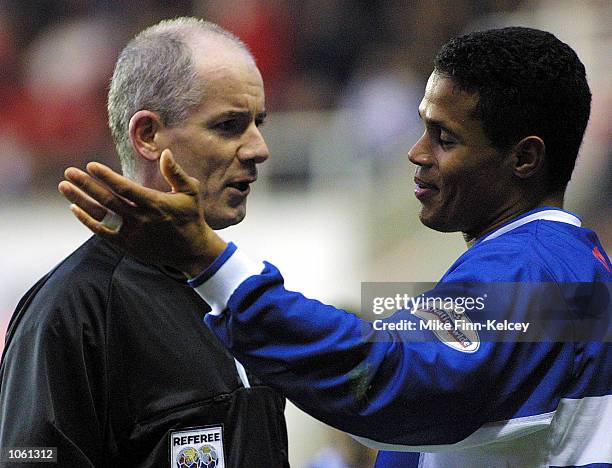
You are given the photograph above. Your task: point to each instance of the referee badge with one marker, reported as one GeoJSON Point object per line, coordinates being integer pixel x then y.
{"type": "Point", "coordinates": [200, 447]}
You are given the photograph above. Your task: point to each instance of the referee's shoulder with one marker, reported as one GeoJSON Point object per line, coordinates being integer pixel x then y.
{"type": "Point", "coordinates": [74, 291]}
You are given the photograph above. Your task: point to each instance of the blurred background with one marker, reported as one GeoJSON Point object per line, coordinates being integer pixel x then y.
{"type": "Point", "coordinates": [333, 206]}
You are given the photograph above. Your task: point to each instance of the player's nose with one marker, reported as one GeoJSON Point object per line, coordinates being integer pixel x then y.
{"type": "Point", "coordinates": [420, 153]}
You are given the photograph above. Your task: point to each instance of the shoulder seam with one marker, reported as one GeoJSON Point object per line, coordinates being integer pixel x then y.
{"type": "Point", "coordinates": [106, 363]}
{"type": "Point", "coordinates": [541, 261]}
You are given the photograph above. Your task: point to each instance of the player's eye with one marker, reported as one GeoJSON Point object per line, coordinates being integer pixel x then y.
{"type": "Point", "coordinates": [445, 140]}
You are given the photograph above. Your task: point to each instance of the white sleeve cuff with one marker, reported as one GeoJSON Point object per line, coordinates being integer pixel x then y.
{"type": "Point", "coordinates": [217, 290]}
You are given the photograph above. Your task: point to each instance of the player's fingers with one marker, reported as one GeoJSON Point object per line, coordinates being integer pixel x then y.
{"type": "Point", "coordinates": [176, 176]}
{"type": "Point", "coordinates": [97, 227]}
{"type": "Point", "coordinates": [122, 186]}
{"type": "Point", "coordinates": [96, 190]}
{"type": "Point", "coordinates": [76, 196]}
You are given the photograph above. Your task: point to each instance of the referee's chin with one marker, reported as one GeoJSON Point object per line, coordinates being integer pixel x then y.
{"type": "Point", "coordinates": [229, 216]}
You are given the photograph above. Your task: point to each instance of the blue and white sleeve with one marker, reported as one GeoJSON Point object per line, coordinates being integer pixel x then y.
{"type": "Point", "coordinates": [390, 392]}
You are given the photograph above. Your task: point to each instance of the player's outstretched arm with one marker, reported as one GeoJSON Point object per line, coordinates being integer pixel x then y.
{"type": "Point", "coordinates": [384, 386]}
{"type": "Point", "coordinates": [156, 227]}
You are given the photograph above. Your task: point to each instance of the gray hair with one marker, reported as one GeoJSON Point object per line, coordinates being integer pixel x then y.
{"type": "Point", "coordinates": [156, 71]}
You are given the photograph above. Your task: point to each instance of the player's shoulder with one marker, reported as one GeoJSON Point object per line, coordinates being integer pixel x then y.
{"type": "Point", "coordinates": [571, 253]}
{"type": "Point", "coordinates": [504, 258]}
{"type": "Point", "coordinates": [541, 250]}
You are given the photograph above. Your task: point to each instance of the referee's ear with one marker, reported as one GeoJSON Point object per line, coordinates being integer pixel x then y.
{"type": "Point", "coordinates": [529, 155]}
{"type": "Point", "coordinates": [143, 127]}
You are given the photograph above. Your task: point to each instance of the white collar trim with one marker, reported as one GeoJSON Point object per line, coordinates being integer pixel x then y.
{"type": "Point", "coordinates": [548, 215]}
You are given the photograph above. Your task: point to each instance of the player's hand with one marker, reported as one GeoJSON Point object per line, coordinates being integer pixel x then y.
{"type": "Point", "coordinates": [156, 227]}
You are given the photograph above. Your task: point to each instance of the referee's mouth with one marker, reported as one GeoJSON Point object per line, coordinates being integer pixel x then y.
{"type": "Point", "coordinates": [241, 186]}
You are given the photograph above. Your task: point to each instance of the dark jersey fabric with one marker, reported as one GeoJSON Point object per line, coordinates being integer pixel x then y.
{"type": "Point", "coordinates": [105, 357]}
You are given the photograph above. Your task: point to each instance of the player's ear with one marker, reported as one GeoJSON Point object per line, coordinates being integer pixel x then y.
{"type": "Point", "coordinates": [529, 154]}
{"type": "Point", "coordinates": [143, 127]}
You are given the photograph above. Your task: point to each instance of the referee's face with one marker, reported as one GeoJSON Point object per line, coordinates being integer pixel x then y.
{"type": "Point", "coordinates": [462, 182]}
{"type": "Point", "coordinates": [220, 142]}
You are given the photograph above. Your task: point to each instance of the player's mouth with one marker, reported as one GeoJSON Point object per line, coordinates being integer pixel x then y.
{"type": "Point", "coordinates": [241, 187]}
{"type": "Point", "coordinates": [424, 189]}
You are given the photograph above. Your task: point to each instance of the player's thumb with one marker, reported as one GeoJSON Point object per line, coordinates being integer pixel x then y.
{"type": "Point", "coordinates": [174, 174]}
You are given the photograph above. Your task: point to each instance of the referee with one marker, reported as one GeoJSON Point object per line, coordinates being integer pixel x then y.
{"type": "Point", "coordinates": [106, 358]}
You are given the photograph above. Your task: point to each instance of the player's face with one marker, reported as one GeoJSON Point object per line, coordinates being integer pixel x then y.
{"type": "Point", "coordinates": [461, 181]}
{"type": "Point", "coordinates": [220, 142]}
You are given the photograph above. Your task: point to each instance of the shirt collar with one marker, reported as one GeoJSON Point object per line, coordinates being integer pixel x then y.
{"type": "Point", "coordinates": [546, 213]}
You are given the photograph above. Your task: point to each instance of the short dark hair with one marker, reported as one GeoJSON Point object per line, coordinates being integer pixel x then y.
{"type": "Point", "coordinates": [528, 83]}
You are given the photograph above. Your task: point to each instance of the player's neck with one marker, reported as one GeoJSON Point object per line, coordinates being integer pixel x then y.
{"type": "Point", "coordinates": [553, 200]}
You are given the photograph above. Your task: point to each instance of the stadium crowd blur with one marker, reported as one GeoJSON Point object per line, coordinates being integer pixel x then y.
{"type": "Point", "coordinates": [56, 58]}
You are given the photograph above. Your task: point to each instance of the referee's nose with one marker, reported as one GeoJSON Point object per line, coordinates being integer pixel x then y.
{"type": "Point", "coordinates": [253, 147]}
